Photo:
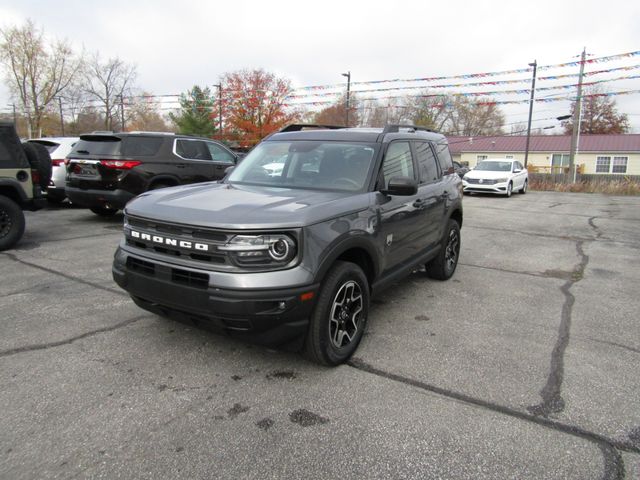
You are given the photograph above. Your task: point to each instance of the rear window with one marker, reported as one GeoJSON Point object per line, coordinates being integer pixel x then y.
{"type": "Point", "coordinates": [112, 145]}
{"type": "Point", "coordinates": [50, 146]}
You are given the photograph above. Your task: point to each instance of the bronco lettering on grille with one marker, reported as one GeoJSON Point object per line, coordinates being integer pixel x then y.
{"type": "Point", "coordinates": [203, 247]}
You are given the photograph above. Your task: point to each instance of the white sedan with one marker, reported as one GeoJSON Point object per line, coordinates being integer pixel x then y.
{"type": "Point", "coordinates": [496, 175]}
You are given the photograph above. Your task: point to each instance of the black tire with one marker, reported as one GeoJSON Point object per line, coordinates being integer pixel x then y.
{"type": "Point", "coordinates": [443, 266]}
{"type": "Point", "coordinates": [39, 160]}
{"type": "Point", "coordinates": [344, 293]}
{"type": "Point", "coordinates": [509, 189]}
{"type": "Point", "coordinates": [159, 185]}
{"type": "Point", "coordinates": [523, 190]}
{"type": "Point", "coordinates": [104, 211]}
{"type": "Point", "coordinates": [11, 223]}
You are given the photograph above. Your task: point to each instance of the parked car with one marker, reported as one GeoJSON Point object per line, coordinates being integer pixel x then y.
{"type": "Point", "coordinates": [293, 257]}
{"type": "Point", "coordinates": [496, 175]}
{"type": "Point", "coordinates": [105, 170]}
{"type": "Point", "coordinates": [460, 169]}
{"type": "Point", "coordinates": [58, 148]}
{"type": "Point", "coordinates": [25, 170]}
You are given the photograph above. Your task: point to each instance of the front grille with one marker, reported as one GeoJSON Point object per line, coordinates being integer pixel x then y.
{"type": "Point", "coordinates": [178, 234]}
{"type": "Point", "coordinates": [484, 181]}
{"type": "Point", "coordinates": [191, 279]}
{"type": "Point", "coordinates": [141, 266]}
{"type": "Point", "coordinates": [192, 233]}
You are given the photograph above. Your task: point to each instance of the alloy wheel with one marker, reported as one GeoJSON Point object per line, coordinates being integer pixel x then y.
{"type": "Point", "coordinates": [345, 316]}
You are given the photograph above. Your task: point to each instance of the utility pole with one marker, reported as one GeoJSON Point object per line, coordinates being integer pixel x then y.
{"type": "Point", "coordinates": [15, 116]}
{"type": "Point", "coordinates": [533, 93]}
{"type": "Point", "coordinates": [219, 85]}
{"type": "Point", "coordinates": [61, 117]}
{"type": "Point", "coordinates": [122, 111]}
{"type": "Point", "coordinates": [348, 75]}
{"type": "Point", "coordinates": [575, 133]}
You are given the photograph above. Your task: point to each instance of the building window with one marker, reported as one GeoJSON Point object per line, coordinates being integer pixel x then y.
{"type": "Point", "coordinates": [619, 165]}
{"type": "Point", "coordinates": [509, 157]}
{"type": "Point", "coordinates": [480, 158]}
{"type": "Point", "coordinates": [560, 160]}
{"type": "Point", "coordinates": [602, 164]}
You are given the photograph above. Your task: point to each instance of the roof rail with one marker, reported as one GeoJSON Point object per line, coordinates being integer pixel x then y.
{"type": "Point", "coordinates": [296, 127]}
{"type": "Point", "coordinates": [395, 128]}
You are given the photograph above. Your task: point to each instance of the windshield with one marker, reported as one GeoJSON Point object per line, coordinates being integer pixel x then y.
{"type": "Point", "coordinates": [307, 164]}
{"type": "Point", "coordinates": [494, 166]}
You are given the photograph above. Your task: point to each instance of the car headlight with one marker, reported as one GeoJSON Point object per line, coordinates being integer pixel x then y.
{"type": "Point", "coordinates": [501, 180]}
{"type": "Point", "coordinates": [261, 250]}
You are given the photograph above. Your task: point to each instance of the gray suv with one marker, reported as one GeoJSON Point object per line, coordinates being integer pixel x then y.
{"type": "Point", "coordinates": [292, 244]}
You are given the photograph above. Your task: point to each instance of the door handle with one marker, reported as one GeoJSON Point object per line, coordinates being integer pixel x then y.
{"type": "Point", "coordinates": [181, 165]}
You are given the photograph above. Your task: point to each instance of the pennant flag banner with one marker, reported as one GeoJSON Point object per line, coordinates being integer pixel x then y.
{"type": "Point", "coordinates": [475, 75]}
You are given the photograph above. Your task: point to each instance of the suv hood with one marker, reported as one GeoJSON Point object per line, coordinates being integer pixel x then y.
{"type": "Point", "coordinates": [229, 206]}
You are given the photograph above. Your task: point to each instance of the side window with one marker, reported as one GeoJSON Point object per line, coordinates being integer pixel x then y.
{"type": "Point", "coordinates": [427, 164]}
{"type": "Point", "coordinates": [444, 157]}
{"type": "Point", "coordinates": [219, 154]}
{"type": "Point", "coordinates": [193, 149]}
{"type": "Point", "coordinates": [397, 162]}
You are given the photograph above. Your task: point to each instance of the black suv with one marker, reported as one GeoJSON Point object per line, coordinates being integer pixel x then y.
{"type": "Point", "coordinates": [298, 237]}
{"type": "Point", "coordinates": [106, 170]}
{"type": "Point", "coordinates": [25, 171]}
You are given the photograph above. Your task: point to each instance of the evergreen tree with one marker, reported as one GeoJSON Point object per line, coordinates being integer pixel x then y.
{"type": "Point", "coordinates": [196, 116]}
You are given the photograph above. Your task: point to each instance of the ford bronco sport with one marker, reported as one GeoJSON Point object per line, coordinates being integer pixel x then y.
{"type": "Point", "coordinates": [293, 243]}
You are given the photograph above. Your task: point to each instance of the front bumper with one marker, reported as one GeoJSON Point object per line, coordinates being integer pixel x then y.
{"type": "Point", "coordinates": [99, 198]}
{"type": "Point", "coordinates": [500, 188]}
{"type": "Point", "coordinates": [271, 316]}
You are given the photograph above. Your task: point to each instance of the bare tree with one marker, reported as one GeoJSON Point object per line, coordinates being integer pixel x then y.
{"type": "Point", "coordinates": [430, 110]}
{"type": "Point", "coordinates": [108, 84]}
{"type": "Point", "coordinates": [37, 71]}
{"type": "Point", "coordinates": [471, 117]}
{"type": "Point", "coordinates": [599, 114]}
{"type": "Point", "coordinates": [146, 116]}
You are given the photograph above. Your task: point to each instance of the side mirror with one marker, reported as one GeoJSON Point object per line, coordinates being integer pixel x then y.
{"type": "Point", "coordinates": [228, 170]}
{"type": "Point", "coordinates": [403, 186]}
{"type": "Point", "coordinates": [517, 170]}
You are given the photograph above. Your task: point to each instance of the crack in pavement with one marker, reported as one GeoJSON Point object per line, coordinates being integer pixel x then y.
{"type": "Point", "coordinates": [551, 393]}
{"type": "Point", "coordinates": [44, 346]}
{"type": "Point", "coordinates": [613, 462]}
{"type": "Point", "coordinates": [64, 275]}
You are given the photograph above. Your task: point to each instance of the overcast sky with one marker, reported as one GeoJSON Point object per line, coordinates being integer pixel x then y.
{"type": "Point", "coordinates": [176, 44]}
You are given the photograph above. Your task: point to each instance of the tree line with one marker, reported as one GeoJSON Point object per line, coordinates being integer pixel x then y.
{"type": "Point", "coordinates": [58, 91]}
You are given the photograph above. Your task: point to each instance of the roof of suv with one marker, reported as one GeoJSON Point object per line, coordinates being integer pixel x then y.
{"type": "Point", "coordinates": [373, 135]}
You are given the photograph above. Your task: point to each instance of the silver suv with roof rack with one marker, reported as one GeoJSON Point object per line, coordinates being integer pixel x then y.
{"type": "Point", "coordinates": [290, 247]}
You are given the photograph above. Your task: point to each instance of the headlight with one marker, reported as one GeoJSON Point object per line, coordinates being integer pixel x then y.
{"type": "Point", "coordinates": [501, 180]}
{"type": "Point", "coordinates": [261, 250]}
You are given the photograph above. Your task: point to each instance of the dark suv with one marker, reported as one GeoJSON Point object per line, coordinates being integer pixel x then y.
{"type": "Point", "coordinates": [106, 170]}
{"type": "Point", "coordinates": [298, 237]}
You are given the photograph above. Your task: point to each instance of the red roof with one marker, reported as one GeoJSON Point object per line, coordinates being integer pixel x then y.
{"type": "Point", "coordinates": [545, 143]}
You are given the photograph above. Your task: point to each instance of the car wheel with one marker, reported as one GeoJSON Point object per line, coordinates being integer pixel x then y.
{"type": "Point", "coordinates": [340, 315]}
{"type": "Point", "coordinates": [509, 189]}
{"type": "Point", "coordinates": [159, 185]}
{"type": "Point", "coordinates": [443, 266]}
{"type": "Point", "coordinates": [523, 190]}
{"type": "Point", "coordinates": [11, 223]}
{"type": "Point", "coordinates": [104, 211]}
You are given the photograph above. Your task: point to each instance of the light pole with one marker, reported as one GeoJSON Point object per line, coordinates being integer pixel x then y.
{"type": "Point", "coordinates": [61, 117]}
{"type": "Point", "coordinates": [348, 75]}
{"type": "Point", "coordinates": [575, 131]}
{"type": "Point", "coordinates": [533, 92]}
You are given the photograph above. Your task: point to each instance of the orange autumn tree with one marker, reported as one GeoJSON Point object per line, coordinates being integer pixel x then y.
{"type": "Point", "coordinates": [253, 105]}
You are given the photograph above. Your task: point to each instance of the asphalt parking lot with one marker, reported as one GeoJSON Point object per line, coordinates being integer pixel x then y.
{"type": "Point", "coordinates": [524, 365]}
